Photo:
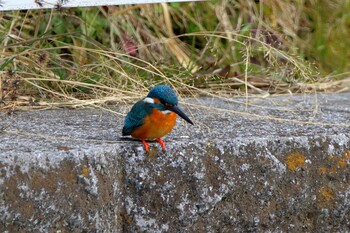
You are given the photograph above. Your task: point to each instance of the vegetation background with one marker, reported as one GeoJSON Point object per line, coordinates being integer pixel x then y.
{"type": "Point", "coordinates": [100, 55]}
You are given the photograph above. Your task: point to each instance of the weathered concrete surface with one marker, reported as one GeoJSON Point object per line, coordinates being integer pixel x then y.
{"type": "Point", "coordinates": [68, 171]}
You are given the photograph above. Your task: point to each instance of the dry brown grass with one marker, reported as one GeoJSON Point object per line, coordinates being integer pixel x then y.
{"type": "Point", "coordinates": [98, 56]}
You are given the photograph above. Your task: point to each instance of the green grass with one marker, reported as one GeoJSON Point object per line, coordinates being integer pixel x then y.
{"type": "Point", "coordinates": [86, 56]}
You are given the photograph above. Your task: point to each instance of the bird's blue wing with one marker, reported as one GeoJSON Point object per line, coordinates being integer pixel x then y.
{"type": "Point", "coordinates": [135, 117]}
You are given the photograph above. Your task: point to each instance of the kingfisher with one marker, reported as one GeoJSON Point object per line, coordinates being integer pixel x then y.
{"type": "Point", "coordinates": [154, 116]}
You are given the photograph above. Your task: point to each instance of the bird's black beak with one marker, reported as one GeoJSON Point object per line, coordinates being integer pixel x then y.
{"type": "Point", "coordinates": [179, 112]}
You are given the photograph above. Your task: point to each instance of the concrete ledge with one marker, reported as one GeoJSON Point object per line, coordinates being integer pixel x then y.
{"type": "Point", "coordinates": [68, 171]}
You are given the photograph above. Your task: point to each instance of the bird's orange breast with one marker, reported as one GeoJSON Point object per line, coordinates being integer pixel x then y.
{"type": "Point", "coordinates": [155, 125]}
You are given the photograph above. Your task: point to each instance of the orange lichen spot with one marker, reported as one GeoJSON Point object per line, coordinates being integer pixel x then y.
{"type": "Point", "coordinates": [326, 193]}
{"type": "Point", "coordinates": [347, 155]}
{"type": "Point", "coordinates": [333, 169]}
{"type": "Point", "coordinates": [342, 163]}
{"type": "Point", "coordinates": [322, 170]}
{"type": "Point", "coordinates": [326, 196]}
{"type": "Point", "coordinates": [295, 160]}
{"type": "Point", "coordinates": [85, 171]}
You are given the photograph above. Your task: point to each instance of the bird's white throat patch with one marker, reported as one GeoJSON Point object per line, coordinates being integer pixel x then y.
{"type": "Point", "coordinates": [166, 112]}
{"type": "Point", "coordinates": [148, 100]}
{"type": "Point", "coordinates": [151, 101]}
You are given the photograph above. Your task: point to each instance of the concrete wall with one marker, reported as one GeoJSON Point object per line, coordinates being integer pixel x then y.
{"type": "Point", "coordinates": [68, 171]}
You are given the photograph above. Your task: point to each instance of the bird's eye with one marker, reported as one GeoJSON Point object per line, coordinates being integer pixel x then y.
{"type": "Point", "coordinates": [168, 105]}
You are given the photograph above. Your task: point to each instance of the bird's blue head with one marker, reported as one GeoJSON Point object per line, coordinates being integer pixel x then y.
{"type": "Point", "coordinates": [164, 94]}
{"type": "Point", "coordinates": [168, 100]}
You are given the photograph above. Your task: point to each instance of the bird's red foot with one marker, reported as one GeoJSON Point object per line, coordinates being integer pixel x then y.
{"type": "Point", "coordinates": [161, 143]}
{"type": "Point", "coordinates": [145, 144]}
